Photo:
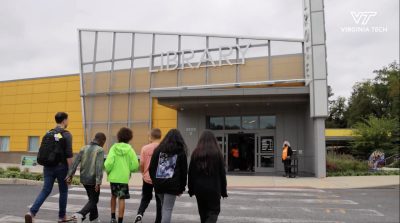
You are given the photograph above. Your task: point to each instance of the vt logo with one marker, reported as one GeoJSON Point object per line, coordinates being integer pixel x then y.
{"type": "Point", "coordinates": [362, 17]}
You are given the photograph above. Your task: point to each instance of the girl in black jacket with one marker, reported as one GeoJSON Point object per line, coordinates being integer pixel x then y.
{"type": "Point", "coordinates": [168, 171]}
{"type": "Point", "coordinates": [207, 178]}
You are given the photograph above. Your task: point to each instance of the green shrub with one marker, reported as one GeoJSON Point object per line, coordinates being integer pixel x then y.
{"type": "Point", "coordinates": [395, 164]}
{"type": "Point", "coordinates": [344, 163]}
{"type": "Point", "coordinates": [12, 174]}
{"type": "Point", "coordinates": [13, 168]}
{"type": "Point", "coordinates": [361, 173]}
{"type": "Point", "coordinates": [1, 170]}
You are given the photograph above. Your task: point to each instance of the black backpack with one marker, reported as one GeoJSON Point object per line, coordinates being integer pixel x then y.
{"type": "Point", "coordinates": [51, 151]}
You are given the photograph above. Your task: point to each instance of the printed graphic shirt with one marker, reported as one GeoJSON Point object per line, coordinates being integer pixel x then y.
{"type": "Point", "coordinates": [168, 172]}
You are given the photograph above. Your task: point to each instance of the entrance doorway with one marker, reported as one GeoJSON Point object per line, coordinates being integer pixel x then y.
{"type": "Point", "coordinates": [248, 151]}
{"type": "Point", "coordinates": [241, 148]}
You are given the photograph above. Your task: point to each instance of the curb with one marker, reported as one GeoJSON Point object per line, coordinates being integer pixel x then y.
{"type": "Point", "coordinates": [17, 181]}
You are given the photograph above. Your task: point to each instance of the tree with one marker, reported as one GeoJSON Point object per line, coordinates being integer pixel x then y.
{"type": "Point", "coordinates": [337, 109]}
{"type": "Point", "coordinates": [378, 97]}
{"type": "Point", "coordinates": [375, 134]}
{"type": "Point", "coordinates": [337, 118]}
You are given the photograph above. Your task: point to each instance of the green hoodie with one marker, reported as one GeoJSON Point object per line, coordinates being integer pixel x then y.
{"type": "Point", "coordinates": [120, 163]}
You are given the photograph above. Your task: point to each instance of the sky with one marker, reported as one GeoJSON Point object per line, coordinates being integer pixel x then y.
{"type": "Point", "coordinates": [39, 38]}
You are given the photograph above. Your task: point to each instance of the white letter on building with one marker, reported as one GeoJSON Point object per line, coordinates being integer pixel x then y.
{"type": "Point", "coordinates": [225, 56]}
{"type": "Point", "coordinates": [173, 59]}
{"type": "Point", "coordinates": [186, 60]}
{"type": "Point", "coordinates": [206, 57]}
{"type": "Point", "coordinates": [243, 52]}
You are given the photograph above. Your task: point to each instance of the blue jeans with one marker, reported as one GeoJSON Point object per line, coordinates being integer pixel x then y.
{"type": "Point", "coordinates": [50, 174]}
{"type": "Point", "coordinates": [167, 206]}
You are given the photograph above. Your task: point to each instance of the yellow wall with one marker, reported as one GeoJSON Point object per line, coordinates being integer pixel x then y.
{"type": "Point", "coordinates": [163, 117]}
{"type": "Point", "coordinates": [27, 108]}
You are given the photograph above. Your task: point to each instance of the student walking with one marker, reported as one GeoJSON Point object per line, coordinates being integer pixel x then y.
{"type": "Point", "coordinates": [147, 188]}
{"type": "Point", "coordinates": [207, 177]}
{"type": "Point", "coordinates": [55, 155]}
{"type": "Point", "coordinates": [286, 158]}
{"type": "Point", "coordinates": [91, 160]}
{"type": "Point", "coordinates": [120, 163]}
{"type": "Point", "coordinates": [168, 171]}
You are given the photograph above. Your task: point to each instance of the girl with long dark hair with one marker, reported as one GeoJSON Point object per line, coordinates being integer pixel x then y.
{"type": "Point", "coordinates": [168, 171]}
{"type": "Point", "coordinates": [207, 177]}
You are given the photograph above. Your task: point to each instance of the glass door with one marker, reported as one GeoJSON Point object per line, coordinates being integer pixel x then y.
{"type": "Point", "coordinates": [221, 140]}
{"type": "Point", "coordinates": [265, 153]}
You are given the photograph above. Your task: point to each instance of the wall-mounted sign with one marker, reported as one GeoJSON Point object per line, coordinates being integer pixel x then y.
{"type": "Point", "coordinates": [28, 160]}
{"type": "Point", "coordinates": [175, 60]}
{"type": "Point", "coordinates": [190, 130]}
{"type": "Point", "coordinates": [267, 144]}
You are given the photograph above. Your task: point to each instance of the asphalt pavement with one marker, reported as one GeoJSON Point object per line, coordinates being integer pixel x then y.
{"type": "Point", "coordinates": [258, 205]}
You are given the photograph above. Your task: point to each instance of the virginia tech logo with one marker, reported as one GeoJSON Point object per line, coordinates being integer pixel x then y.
{"type": "Point", "coordinates": [362, 17]}
{"type": "Point", "coordinates": [362, 23]}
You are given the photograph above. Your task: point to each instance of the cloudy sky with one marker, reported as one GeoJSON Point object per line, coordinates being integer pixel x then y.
{"type": "Point", "coordinates": [39, 38]}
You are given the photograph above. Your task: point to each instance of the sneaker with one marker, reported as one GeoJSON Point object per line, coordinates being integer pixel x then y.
{"type": "Point", "coordinates": [113, 220]}
{"type": "Point", "coordinates": [138, 218]}
{"type": "Point", "coordinates": [95, 221]}
{"type": "Point", "coordinates": [29, 217]}
{"type": "Point", "coordinates": [77, 218]}
{"type": "Point", "coordinates": [64, 219]}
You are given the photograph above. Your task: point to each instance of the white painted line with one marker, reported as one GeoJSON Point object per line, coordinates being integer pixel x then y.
{"type": "Point", "coordinates": [284, 189]}
{"type": "Point", "coordinates": [235, 192]}
{"type": "Point", "coordinates": [291, 194]}
{"type": "Point", "coordinates": [307, 201]}
{"type": "Point", "coordinates": [128, 201]}
{"type": "Point", "coordinates": [16, 219]}
{"type": "Point", "coordinates": [193, 217]}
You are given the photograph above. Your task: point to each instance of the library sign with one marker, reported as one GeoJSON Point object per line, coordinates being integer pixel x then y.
{"type": "Point", "coordinates": [178, 60]}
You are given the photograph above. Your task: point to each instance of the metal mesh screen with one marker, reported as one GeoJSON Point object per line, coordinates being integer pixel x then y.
{"type": "Point", "coordinates": [120, 68]}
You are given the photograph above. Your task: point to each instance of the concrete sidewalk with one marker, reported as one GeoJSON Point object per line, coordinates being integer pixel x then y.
{"type": "Point", "coordinates": [277, 181]}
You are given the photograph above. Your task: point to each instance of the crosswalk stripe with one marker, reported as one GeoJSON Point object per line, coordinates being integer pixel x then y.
{"type": "Point", "coordinates": [17, 219]}
{"type": "Point", "coordinates": [182, 204]}
{"type": "Point", "coordinates": [192, 217]}
{"type": "Point", "coordinates": [233, 192]}
{"type": "Point", "coordinates": [284, 189]}
{"type": "Point", "coordinates": [128, 201]}
{"type": "Point", "coordinates": [308, 201]}
{"type": "Point", "coordinates": [332, 210]}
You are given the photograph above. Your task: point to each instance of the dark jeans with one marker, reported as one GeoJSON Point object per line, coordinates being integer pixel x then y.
{"type": "Point", "coordinates": [147, 195]}
{"type": "Point", "coordinates": [209, 208]}
{"type": "Point", "coordinates": [286, 164]}
{"type": "Point", "coordinates": [91, 205]}
{"type": "Point", "coordinates": [50, 174]}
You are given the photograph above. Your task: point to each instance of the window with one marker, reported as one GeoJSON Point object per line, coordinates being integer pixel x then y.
{"type": "Point", "coordinates": [4, 143]}
{"type": "Point", "coordinates": [267, 122]}
{"type": "Point", "coordinates": [33, 143]}
{"type": "Point", "coordinates": [250, 122]}
{"type": "Point", "coordinates": [241, 122]}
{"type": "Point", "coordinates": [216, 123]}
{"type": "Point", "coordinates": [232, 122]}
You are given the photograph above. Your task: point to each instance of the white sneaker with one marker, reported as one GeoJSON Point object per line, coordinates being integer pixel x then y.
{"type": "Point", "coordinates": [77, 218]}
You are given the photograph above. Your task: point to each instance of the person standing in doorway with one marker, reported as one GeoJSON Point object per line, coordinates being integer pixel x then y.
{"type": "Point", "coordinates": [91, 161]}
{"type": "Point", "coordinates": [147, 188]}
{"type": "Point", "coordinates": [120, 163]}
{"type": "Point", "coordinates": [286, 158]}
{"type": "Point", "coordinates": [168, 171]}
{"type": "Point", "coordinates": [55, 154]}
{"type": "Point", "coordinates": [235, 156]}
{"type": "Point", "coordinates": [207, 177]}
